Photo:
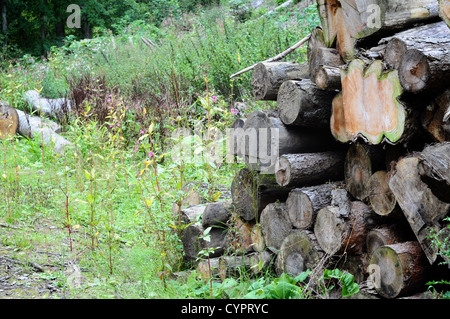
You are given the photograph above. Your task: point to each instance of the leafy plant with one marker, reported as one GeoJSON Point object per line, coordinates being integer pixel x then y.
{"type": "Point", "coordinates": [345, 280]}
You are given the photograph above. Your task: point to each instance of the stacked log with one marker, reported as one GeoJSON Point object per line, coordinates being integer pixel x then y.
{"type": "Point", "coordinates": [353, 168]}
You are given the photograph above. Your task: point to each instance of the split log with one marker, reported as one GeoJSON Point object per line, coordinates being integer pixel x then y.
{"type": "Point", "coordinates": [264, 138]}
{"type": "Point", "coordinates": [56, 108]}
{"type": "Point", "coordinates": [360, 163]}
{"type": "Point", "coordinates": [388, 235]}
{"type": "Point", "coordinates": [368, 106]}
{"type": "Point", "coordinates": [268, 77]}
{"type": "Point", "coordinates": [319, 54]}
{"type": "Point", "coordinates": [36, 128]}
{"type": "Point", "coordinates": [328, 78]}
{"type": "Point", "coordinates": [421, 207]}
{"type": "Point", "coordinates": [337, 234]}
{"type": "Point", "coordinates": [436, 118]}
{"type": "Point", "coordinates": [302, 103]}
{"type": "Point", "coordinates": [217, 214]}
{"type": "Point", "coordinates": [434, 164]}
{"type": "Point", "coordinates": [9, 120]}
{"type": "Point", "coordinates": [399, 269]}
{"type": "Point", "coordinates": [304, 203]}
{"type": "Point", "coordinates": [398, 44]}
{"type": "Point", "coordinates": [296, 170]}
{"type": "Point", "coordinates": [380, 196]}
{"type": "Point", "coordinates": [348, 21]}
{"type": "Point", "coordinates": [275, 225]}
{"type": "Point", "coordinates": [251, 192]}
{"type": "Point", "coordinates": [444, 11]}
{"type": "Point", "coordinates": [298, 253]}
{"type": "Point", "coordinates": [426, 67]}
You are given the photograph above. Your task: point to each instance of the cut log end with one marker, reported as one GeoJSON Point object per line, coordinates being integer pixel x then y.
{"type": "Point", "coordinates": [381, 198]}
{"type": "Point", "coordinates": [414, 71]}
{"type": "Point", "coordinates": [9, 121]}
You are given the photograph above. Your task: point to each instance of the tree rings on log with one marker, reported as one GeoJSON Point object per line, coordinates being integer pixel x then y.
{"type": "Point", "coordinates": [9, 120]}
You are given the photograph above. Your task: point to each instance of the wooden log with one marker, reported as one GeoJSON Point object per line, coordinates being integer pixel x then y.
{"type": "Point", "coordinates": [399, 269]}
{"type": "Point", "coordinates": [348, 21]}
{"type": "Point", "coordinates": [360, 163]}
{"type": "Point", "coordinates": [56, 108]}
{"type": "Point", "coordinates": [233, 140]}
{"type": "Point", "coordinates": [9, 120]}
{"type": "Point", "coordinates": [296, 170]}
{"type": "Point", "coordinates": [328, 78]}
{"type": "Point", "coordinates": [368, 106]}
{"type": "Point", "coordinates": [36, 128]}
{"type": "Point", "coordinates": [337, 234]}
{"type": "Point", "coordinates": [426, 66]}
{"type": "Point", "coordinates": [275, 225]}
{"type": "Point", "coordinates": [302, 103]}
{"type": "Point", "coordinates": [421, 207]}
{"type": "Point", "coordinates": [434, 163]}
{"type": "Point", "coordinates": [444, 11]}
{"type": "Point", "coordinates": [239, 237]}
{"type": "Point", "coordinates": [388, 234]}
{"type": "Point", "coordinates": [357, 265]}
{"type": "Point", "coordinates": [380, 196]}
{"type": "Point", "coordinates": [210, 269]}
{"type": "Point", "coordinates": [235, 266]}
{"type": "Point", "coordinates": [217, 214]}
{"type": "Point", "coordinates": [251, 192]}
{"type": "Point", "coordinates": [340, 198]}
{"type": "Point", "coordinates": [319, 53]}
{"type": "Point", "coordinates": [436, 118]}
{"type": "Point", "coordinates": [298, 253]}
{"type": "Point", "coordinates": [193, 243]}
{"type": "Point", "coordinates": [304, 203]}
{"type": "Point", "coordinates": [264, 138]}
{"type": "Point", "coordinates": [398, 44]}
{"type": "Point", "coordinates": [268, 77]}
{"type": "Point", "coordinates": [257, 238]}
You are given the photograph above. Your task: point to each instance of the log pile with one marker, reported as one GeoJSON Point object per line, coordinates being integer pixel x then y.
{"type": "Point", "coordinates": [353, 168]}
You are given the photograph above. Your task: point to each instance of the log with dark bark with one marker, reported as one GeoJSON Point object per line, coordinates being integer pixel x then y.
{"type": "Point", "coordinates": [193, 243]}
{"type": "Point", "coordinates": [436, 118]}
{"type": "Point", "coordinates": [302, 103]}
{"type": "Point", "coordinates": [298, 253]}
{"type": "Point", "coordinates": [268, 77]}
{"type": "Point", "coordinates": [398, 44]}
{"type": "Point", "coordinates": [348, 21]}
{"type": "Point", "coordinates": [361, 162]}
{"type": "Point", "coordinates": [234, 266]}
{"type": "Point", "coordinates": [444, 11]}
{"type": "Point", "coordinates": [233, 137]}
{"type": "Point", "coordinates": [398, 269]}
{"type": "Point", "coordinates": [9, 120]}
{"type": "Point", "coordinates": [421, 207]}
{"type": "Point", "coordinates": [275, 225]}
{"type": "Point", "coordinates": [337, 234]}
{"type": "Point", "coordinates": [251, 192]}
{"type": "Point", "coordinates": [368, 106]}
{"type": "Point", "coordinates": [217, 214]}
{"type": "Point", "coordinates": [328, 78]}
{"type": "Point", "coordinates": [43, 130]}
{"type": "Point", "coordinates": [264, 138]}
{"type": "Point", "coordinates": [388, 234]}
{"type": "Point", "coordinates": [304, 203]}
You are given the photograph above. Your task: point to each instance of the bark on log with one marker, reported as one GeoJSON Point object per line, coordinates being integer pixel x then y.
{"type": "Point", "coordinates": [275, 225]}
{"type": "Point", "coordinates": [360, 163]}
{"type": "Point", "coordinates": [304, 203]}
{"type": "Point", "coordinates": [434, 164]}
{"type": "Point", "coordinates": [251, 192]}
{"type": "Point", "coordinates": [193, 244]}
{"type": "Point", "coordinates": [56, 108]}
{"type": "Point", "coordinates": [399, 269]}
{"type": "Point", "coordinates": [348, 20]}
{"type": "Point", "coordinates": [9, 120]}
{"type": "Point", "coordinates": [234, 266]}
{"type": "Point", "coordinates": [302, 103]}
{"type": "Point", "coordinates": [268, 77]}
{"type": "Point", "coordinates": [36, 128]}
{"type": "Point", "coordinates": [426, 67]}
{"type": "Point", "coordinates": [436, 118]}
{"type": "Point", "coordinates": [296, 170]}
{"type": "Point", "coordinates": [328, 78]}
{"type": "Point", "coordinates": [398, 44]}
{"type": "Point", "coordinates": [388, 235]}
{"type": "Point", "coordinates": [337, 234]}
{"type": "Point", "coordinates": [368, 106]}
{"type": "Point", "coordinates": [217, 214]}
{"type": "Point", "coordinates": [264, 138]}
{"type": "Point", "coordinates": [239, 237]}
{"type": "Point", "coordinates": [298, 253]}
{"type": "Point", "coordinates": [421, 207]}
{"type": "Point", "coordinates": [444, 11]}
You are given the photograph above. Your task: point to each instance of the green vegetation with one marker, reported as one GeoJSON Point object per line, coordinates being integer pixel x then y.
{"type": "Point", "coordinates": [100, 215]}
